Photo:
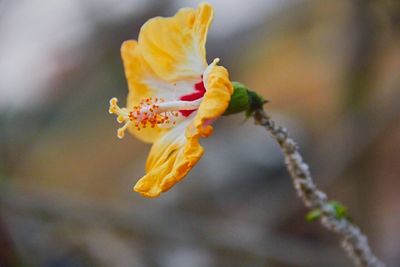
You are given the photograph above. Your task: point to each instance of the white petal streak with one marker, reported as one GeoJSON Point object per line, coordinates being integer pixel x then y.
{"type": "Point", "coordinates": [208, 71]}
{"type": "Point", "coordinates": [195, 61]}
{"type": "Point", "coordinates": [177, 133]}
{"type": "Point", "coordinates": [171, 91]}
{"type": "Point", "coordinates": [175, 136]}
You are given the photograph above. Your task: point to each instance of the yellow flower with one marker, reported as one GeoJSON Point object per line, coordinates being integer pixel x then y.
{"type": "Point", "coordinates": [174, 95]}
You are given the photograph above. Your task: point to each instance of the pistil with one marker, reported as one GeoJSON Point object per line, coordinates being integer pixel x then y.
{"type": "Point", "coordinates": [150, 112]}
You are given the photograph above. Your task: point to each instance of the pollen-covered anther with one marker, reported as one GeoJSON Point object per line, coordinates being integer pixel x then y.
{"type": "Point", "coordinates": [122, 116]}
{"type": "Point", "coordinates": [148, 113]}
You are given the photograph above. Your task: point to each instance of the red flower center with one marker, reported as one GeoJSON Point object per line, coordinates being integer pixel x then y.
{"type": "Point", "coordinates": [198, 93]}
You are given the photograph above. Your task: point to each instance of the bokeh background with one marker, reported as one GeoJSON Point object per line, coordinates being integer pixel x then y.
{"type": "Point", "coordinates": [331, 70]}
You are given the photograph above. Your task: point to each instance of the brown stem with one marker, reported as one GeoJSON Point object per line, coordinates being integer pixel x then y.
{"type": "Point", "coordinates": [354, 242]}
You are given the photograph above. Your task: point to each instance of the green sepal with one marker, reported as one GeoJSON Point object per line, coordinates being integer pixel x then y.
{"type": "Point", "coordinates": [239, 100]}
{"type": "Point", "coordinates": [255, 102]}
{"type": "Point", "coordinates": [244, 100]}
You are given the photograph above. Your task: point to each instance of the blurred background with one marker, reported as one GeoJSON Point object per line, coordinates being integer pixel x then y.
{"type": "Point", "coordinates": [331, 70]}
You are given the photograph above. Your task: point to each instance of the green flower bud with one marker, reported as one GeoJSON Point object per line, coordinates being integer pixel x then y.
{"type": "Point", "coordinates": [336, 209]}
{"type": "Point", "coordinates": [313, 215]}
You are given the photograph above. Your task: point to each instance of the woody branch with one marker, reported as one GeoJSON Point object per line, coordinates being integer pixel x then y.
{"type": "Point", "coordinates": [353, 241]}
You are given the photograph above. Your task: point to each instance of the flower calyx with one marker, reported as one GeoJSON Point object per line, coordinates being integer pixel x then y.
{"type": "Point", "coordinates": [244, 100]}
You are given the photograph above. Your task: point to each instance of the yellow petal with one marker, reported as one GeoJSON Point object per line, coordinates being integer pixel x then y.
{"type": "Point", "coordinates": [174, 47]}
{"type": "Point", "coordinates": [215, 100]}
{"type": "Point", "coordinates": [136, 71]}
{"type": "Point", "coordinates": [170, 159]}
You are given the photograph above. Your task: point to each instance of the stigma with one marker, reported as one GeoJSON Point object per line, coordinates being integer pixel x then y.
{"type": "Point", "coordinates": [150, 112]}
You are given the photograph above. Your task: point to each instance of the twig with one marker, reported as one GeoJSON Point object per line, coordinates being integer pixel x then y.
{"type": "Point", "coordinates": [354, 242]}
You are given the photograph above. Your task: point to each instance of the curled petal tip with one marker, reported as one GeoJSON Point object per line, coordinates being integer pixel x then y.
{"type": "Point", "coordinates": [153, 192]}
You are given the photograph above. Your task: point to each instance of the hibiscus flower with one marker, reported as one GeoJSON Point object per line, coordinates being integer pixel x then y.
{"type": "Point", "coordinates": [174, 95]}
